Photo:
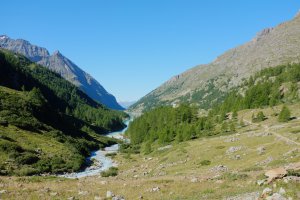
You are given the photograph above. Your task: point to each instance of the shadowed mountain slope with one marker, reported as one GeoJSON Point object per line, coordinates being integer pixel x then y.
{"type": "Point", "coordinates": [65, 67]}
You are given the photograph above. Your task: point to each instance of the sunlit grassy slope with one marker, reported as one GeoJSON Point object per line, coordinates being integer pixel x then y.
{"type": "Point", "coordinates": [181, 171]}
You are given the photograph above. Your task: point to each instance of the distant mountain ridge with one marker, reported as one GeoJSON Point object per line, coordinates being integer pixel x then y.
{"type": "Point", "coordinates": [207, 84]}
{"type": "Point", "coordinates": [126, 104]}
{"type": "Point", "coordinates": [65, 67]}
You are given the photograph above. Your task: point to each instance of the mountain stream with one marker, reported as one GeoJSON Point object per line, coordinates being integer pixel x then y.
{"type": "Point", "coordinates": [98, 158]}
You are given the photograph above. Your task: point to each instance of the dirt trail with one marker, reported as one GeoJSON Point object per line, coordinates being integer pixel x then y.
{"type": "Point", "coordinates": [267, 129]}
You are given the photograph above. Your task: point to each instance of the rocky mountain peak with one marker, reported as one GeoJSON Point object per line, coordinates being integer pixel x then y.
{"type": "Point", "coordinates": [33, 52]}
{"type": "Point", "coordinates": [62, 65]}
{"type": "Point", "coordinates": [263, 33]}
{"type": "Point", "coordinates": [3, 37]}
{"type": "Point", "coordinates": [57, 53]}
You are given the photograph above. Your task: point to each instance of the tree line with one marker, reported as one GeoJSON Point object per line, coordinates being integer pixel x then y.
{"type": "Point", "coordinates": [163, 125]}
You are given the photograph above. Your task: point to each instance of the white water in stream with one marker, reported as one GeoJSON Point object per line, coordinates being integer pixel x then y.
{"type": "Point", "coordinates": [102, 162]}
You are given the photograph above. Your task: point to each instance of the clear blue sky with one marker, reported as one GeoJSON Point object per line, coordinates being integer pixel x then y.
{"type": "Point", "coordinates": [133, 46]}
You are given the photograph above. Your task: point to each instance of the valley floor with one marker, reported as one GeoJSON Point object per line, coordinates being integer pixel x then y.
{"type": "Point", "coordinates": [220, 167]}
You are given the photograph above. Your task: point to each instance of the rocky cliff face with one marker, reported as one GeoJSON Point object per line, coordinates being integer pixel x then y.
{"type": "Point", "coordinates": [205, 84]}
{"type": "Point", "coordinates": [33, 52]}
{"type": "Point", "coordinates": [65, 67]}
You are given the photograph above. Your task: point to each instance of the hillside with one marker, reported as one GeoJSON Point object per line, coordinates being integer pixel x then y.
{"type": "Point", "coordinates": [46, 123]}
{"type": "Point", "coordinates": [165, 125]}
{"type": "Point", "coordinates": [208, 84]}
{"type": "Point", "coordinates": [212, 155]}
{"type": "Point", "coordinates": [63, 66]}
{"type": "Point", "coordinates": [225, 167]}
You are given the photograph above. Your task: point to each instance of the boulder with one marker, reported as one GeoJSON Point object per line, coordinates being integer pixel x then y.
{"type": "Point", "coordinates": [246, 196]}
{"type": "Point", "coordinates": [109, 194]}
{"type": "Point", "coordinates": [233, 149]}
{"type": "Point", "coordinates": [118, 198]}
{"type": "Point", "coordinates": [53, 193]}
{"type": "Point", "coordinates": [260, 182]}
{"type": "Point", "coordinates": [103, 182]}
{"type": "Point", "coordinates": [232, 139]}
{"type": "Point", "coordinates": [162, 173]}
{"type": "Point", "coordinates": [267, 192]}
{"type": "Point", "coordinates": [291, 178]}
{"type": "Point", "coordinates": [155, 189]}
{"type": "Point", "coordinates": [281, 191]}
{"type": "Point", "coordinates": [261, 150]}
{"type": "Point", "coordinates": [275, 173]}
{"type": "Point", "coordinates": [145, 173]}
{"type": "Point", "coordinates": [219, 168]}
{"type": "Point", "coordinates": [164, 148]}
{"type": "Point", "coordinates": [83, 193]}
{"type": "Point", "coordinates": [276, 196]}
{"type": "Point", "coordinates": [194, 180]}
{"type": "Point", "coordinates": [265, 162]}
{"type": "Point", "coordinates": [3, 191]}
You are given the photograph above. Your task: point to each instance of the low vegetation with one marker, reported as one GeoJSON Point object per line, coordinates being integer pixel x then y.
{"type": "Point", "coordinates": [284, 115]}
{"type": "Point", "coordinates": [112, 171]}
{"type": "Point", "coordinates": [176, 172]}
{"type": "Point", "coordinates": [205, 162]}
{"type": "Point", "coordinates": [47, 125]}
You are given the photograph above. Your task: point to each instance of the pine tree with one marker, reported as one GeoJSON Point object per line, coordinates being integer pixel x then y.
{"type": "Point", "coordinates": [147, 148]}
{"type": "Point", "coordinates": [23, 88]}
{"type": "Point", "coordinates": [68, 111]}
{"type": "Point", "coordinates": [179, 137]}
{"type": "Point", "coordinates": [232, 127]}
{"type": "Point", "coordinates": [234, 114]}
{"type": "Point", "coordinates": [284, 115]}
{"type": "Point", "coordinates": [224, 127]}
{"type": "Point", "coordinates": [260, 116]}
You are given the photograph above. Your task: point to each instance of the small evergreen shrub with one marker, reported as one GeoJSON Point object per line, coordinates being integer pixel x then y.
{"type": "Point", "coordinates": [284, 115]}
{"type": "Point", "coordinates": [205, 162]}
{"type": "Point", "coordinates": [112, 171]}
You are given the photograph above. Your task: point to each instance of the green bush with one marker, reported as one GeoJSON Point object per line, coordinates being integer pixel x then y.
{"type": "Point", "coordinates": [253, 169]}
{"type": "Point", "coordinates": [259, 117]}
{"type": "Point", "coordinates": [10, 147]}
{"type": "Point", "coordinates": [147, 148]}
{"type": "Point", "coordinates": [112, 155]}
{"type": "Point", "coordinates": [112, 171]}
{"type": "Point", "coordinates": [205, 162]}
{"type": "Point", "coordinates": [234, 176]}
{"type": "Point", "coordinates": [284, 115]}
{"type": "Point", "coordinates": [27, 171]}
{"type": "Point", "coordinates": [294, 173]}
{"type": "Point", "coordinates": [3, 122]}
{"type": "Point", "coordinates": [27, 158]}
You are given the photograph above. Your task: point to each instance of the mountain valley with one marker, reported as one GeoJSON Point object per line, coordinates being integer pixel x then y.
{"type": "Point", "coordinates": [225, 130]}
